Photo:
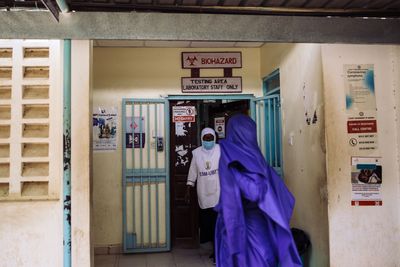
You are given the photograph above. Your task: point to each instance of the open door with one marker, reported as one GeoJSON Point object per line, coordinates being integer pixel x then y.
{"type": "Point", "coordinates": [145, 171]}
{"type": "Point", "coordinates": [184, 139]}
{"type": "Point", "coordinates": [266, 112]}
{"type": "Point", "coordinates": [192, 116]}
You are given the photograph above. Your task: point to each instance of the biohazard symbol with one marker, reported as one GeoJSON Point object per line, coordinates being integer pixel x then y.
{"type": "Point", "coordinates": [191, 60]}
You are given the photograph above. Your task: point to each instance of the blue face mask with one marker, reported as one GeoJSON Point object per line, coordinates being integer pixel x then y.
{"type": "Point", "coordinates": [208, 145]}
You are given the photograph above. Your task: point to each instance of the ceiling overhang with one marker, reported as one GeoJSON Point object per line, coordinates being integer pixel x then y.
{"type": "Point", "coordinates": [198, 27]}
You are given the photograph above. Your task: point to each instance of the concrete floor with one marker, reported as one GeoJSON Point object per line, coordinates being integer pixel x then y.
{"type": "Point", "coordinates": [175, 258]}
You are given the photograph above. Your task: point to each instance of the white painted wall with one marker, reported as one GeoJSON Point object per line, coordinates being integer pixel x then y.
{"type": "Point", "coordinates": [31, 234]}
{"type": "Point", "coordinates": [304, 161]}
{"type": "Point", "coordinates": [140, 73]}
{"type": "Point", "coordinates": [396, 84]}
{"type": "Point", "coordinates": [362, 236]}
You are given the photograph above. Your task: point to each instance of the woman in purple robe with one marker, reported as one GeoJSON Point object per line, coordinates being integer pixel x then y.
{"type": "Point", "coordinates": [255, 207]}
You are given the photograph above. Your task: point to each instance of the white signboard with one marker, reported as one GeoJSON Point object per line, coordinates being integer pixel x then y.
{"type": "Point", "coordinates": [366, 181]}
{"type": "Point", "coordinates": [211, 60]}
{"type": "Point", "coordinates": [219, 126]}
{"type": "Point", "coordinates": [183, 114]}
{"type": "Point", "coordinates": [212, 85]}
{"type": "Point", "coordinates": [361, 108]}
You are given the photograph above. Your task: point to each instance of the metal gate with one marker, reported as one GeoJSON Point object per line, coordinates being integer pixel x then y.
{"type": "Point", "coordinates": [267, 114]}
{"type": "Point", "coordinates": [145, 175]}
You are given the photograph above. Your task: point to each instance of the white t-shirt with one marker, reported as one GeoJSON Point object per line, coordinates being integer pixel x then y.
{"type": "Point", "coordinates": [204, 170]}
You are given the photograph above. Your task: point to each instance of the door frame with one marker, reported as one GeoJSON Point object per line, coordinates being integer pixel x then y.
{"type": "Point", "coordinates": [249, 97]}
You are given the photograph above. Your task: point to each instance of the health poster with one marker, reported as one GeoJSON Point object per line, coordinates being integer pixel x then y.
{"type": "Point", "coordinates": [366, 181]}
{"type": "Point", "coordinates": [361, 109]}
{"type": "Point", "coordinates": [105, 128]}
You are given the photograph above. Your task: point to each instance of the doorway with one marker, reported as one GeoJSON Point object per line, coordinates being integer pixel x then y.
{"type": "Point", "coordinates": [184, 138]}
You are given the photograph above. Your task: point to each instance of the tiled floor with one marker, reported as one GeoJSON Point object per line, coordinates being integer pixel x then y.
{"type": "Point", "coordinates": [176, 258]}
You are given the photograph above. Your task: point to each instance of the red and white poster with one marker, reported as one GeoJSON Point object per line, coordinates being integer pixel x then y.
{"type": "Point", "coordinates": [183, 114]}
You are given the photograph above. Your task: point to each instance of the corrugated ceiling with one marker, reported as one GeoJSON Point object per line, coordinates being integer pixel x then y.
{"type": "Point", "coordinates": [379, 8]}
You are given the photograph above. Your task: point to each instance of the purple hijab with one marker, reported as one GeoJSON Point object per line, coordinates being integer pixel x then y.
{"type": "Point", "coordinates": [255, 207]}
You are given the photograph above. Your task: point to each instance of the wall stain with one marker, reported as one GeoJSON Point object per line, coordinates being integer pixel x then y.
{"type": "Point", "coordinates": [315, 118]}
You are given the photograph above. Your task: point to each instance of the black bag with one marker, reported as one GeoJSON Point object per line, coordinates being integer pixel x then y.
{"type": "Point", "coordinates": [301, 239]}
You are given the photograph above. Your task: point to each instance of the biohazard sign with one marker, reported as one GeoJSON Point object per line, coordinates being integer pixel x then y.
{"type": "Point", "coordinates": [211, 60]}
{"type": "Point", "coordinates": [183, 114]}
{"type": "Point", "coordinates": [226, 61]}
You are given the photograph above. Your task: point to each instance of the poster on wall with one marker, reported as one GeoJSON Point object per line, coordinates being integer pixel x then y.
{"type": "Point", "coordinates": [219, 126]}
{"type": "Point", "coordinates": [361, 108]}
{"type": "Point", "coordinates": [105, 128]}
{"type": "Point", "coordinates": [366, 181]}
{"type": "Point", "coordinates": [135, 132]}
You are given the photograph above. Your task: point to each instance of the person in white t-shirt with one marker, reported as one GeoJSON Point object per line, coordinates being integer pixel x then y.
{"type": "Point", "coordinates": [204, 172]}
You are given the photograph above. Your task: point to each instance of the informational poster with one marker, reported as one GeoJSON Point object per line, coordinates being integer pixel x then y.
{"type": "Point", "coordinates": [183, 114]}
{"type": "Point", "coordinates": [219, 126]}
{"type": "Point", "coordinates": [366, 181]}
{"type": "Point", "coordinates": [105, 128]}
{"type": "Point", "coordinates": [135, 132]}
{"type": "Point", "coordinates": [361, 109]}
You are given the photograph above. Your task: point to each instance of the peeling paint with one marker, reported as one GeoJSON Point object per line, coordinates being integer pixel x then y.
{"type": "Point", "coordinates": [67, 150]}
{"type": "Point", "coordinates": [67, 208]}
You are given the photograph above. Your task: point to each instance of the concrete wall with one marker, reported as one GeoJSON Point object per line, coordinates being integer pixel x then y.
{"type": "Point", "coordinates": [303, 160]}
{"type": "Point", "coordinates": [140, 73]}
{"type": "Point", "coordinates": [31, 232]}
{"type": "Point", "coordinates": [362, 236]}
{"type": "Point", "coordinates": [31, 224]}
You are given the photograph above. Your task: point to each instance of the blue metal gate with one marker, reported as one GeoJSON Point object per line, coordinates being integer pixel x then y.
{"type": "Point", "coordinates": [145, 175]}
{"type": "Point", "coordinates": [267, 114]}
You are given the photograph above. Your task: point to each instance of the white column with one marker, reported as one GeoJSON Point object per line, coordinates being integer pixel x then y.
{"type": "Point", "coordinates": [81, 110]}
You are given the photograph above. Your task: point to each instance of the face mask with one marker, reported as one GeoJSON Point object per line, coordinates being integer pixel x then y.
{"type": "Point", "coordinates": [208, 145]}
